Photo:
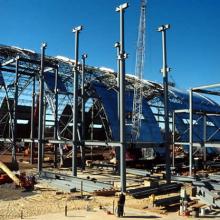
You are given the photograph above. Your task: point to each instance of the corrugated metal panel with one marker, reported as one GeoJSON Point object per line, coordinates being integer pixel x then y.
{"type": "Point", "coordinates": [149, 132]}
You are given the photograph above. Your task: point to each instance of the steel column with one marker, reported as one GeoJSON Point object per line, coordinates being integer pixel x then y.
{"type": "Point", "coordinates": [41, 109]}
{"type": "Point", "coordinates": [117, 149]}
{"type": "Point", "coordinates": [190, 132]}
{"type": "Point", "coordinates": [32, 122]}
{"type": "Point", "coordinates": [14, 160]}
{"type": "Point", "coordinates": [165, 71]}
{"type": "Point", "coordinates": [122, 57]}
{"type": "Point", "coordinates": [84, 56]}
{"type": "Point", "coordinates": [56, 116]}
{"type": "Point", "coordinates": [173, 136]}
{"type": "Point", "coordinates": [75, 101]}
{"type": "Point", "coordinates": [204, 140]}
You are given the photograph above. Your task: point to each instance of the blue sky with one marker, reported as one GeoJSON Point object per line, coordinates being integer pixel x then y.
{"type": "Point", "coordinates": [192, 42]}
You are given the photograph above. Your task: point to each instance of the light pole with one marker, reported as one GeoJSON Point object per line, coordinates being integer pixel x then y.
{"type": "Point", "coordinates": [165, 71]}
{"type": "Point", "coordinates": [84, 57]}
{"type": "Point", "coordinates": [41, 109]}
{"type": "Point", "coordinates": [122, 57]}
{"type": "Point", "coordinates": [75, 101]}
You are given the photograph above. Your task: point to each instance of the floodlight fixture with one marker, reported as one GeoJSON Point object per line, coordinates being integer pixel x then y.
{"type": "Point", "coordinates": [84, 56]}
{"type": "Point", "coordinates": [117, 45]}
{"type": "Point", "coordinates": [43, 45]}
{"type": "Point", "coordinates": [122, 7]}
{"type": "Point", "coordinates": [79, 28]}
{"type": "Point", "coordinates": [163, 27]}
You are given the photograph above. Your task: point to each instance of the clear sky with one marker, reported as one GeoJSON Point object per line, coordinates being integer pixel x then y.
{"type": "Point", "coordinates": [192, 42]}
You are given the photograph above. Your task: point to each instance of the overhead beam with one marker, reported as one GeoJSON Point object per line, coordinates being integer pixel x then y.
{"type": "Point", "coordinates": [206, 87]}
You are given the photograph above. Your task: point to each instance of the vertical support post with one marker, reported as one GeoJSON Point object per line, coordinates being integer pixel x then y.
{"type": "Point", "coordinates": [117, 149]}
{"type": "Point", "coordinates": [190, 131]}
{"type": "Point", "coordinates": [84, 56]}
{"type": "Point", "coordinates": [75, 101]}
{"type": "Point", "coordinates": [41, 109]}
{"type": "Point", "coordinates": [204, 140]}
{"type": "Point", "coordinates": [56, 116]}
{"type": "Point", "coordinates": [92, 129]}
{"type": "Point", "coordinates": [44, 123]}
{"type": "Point", "coordinates": [32, 122]}
{"type": "Point", "coordinates": [14, 160]}
{"type": "Point", "coordinates": [165, 71]}
{"type": "Point", "coordinates": [122, 57]}
{"type": "Point", "coordinates": [173, 136]}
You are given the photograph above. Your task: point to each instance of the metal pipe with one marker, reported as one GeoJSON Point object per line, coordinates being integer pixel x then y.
{"type": "Point", "coordinates": [56, 116]}
{"type": "Point", "coordinates": [190, 131]}
{"type": "Point", "coordinates": [32, 122]}
{"type": "Point", "coordinates": [14, 160]}
{"type": "Point", "coordinates": [123, 56]}
{"type": "Point", "coordinates": [41, 108]}
{"type": "Point", "coordinates": [165, 71]}
{"type": "Point", "coordinates": [204, 139]}
{"type": "Point", "coordinates": [206, 87]}
{"type": "Point", "coordinates": [117, 149]}
{"type": "Point", "coordinates": [173, 136]}
{"type": "Point", "coordinates": [84, 56]}
{"type": "Point", "coordinates": [75, 101]}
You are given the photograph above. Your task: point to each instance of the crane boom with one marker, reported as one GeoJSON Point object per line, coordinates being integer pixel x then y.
{"type": "Point", "coordinates": [139, 70]}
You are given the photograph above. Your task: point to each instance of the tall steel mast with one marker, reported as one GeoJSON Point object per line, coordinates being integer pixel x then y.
{"type": "Point", "coordinates": [139, 71]}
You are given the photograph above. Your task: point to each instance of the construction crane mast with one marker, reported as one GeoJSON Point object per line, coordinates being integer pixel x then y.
{"type": "Point", "coordinates": [139, 70]}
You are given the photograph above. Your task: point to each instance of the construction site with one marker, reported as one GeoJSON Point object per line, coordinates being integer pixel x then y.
{"type": "Point", "coordinates": [78, 141]}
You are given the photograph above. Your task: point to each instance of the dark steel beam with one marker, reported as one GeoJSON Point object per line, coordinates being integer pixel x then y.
{"type": "Point", "coordinates": [165, 71]}
{"type": "Point", "coordinates": [15, 112]}
{"type": "Point", "coordinates": [84, 56]}
{"type": "Point", "coordinates": [206, 87]}
{"type": "Point", "coordinates": [33, 127]}
{"type": "Point", "coordinates": [122, 57]}
{"type": "Point", "coordinates": [41, 109]}
{"type": "Point", "coordinates": [8, 62]}
{"type": "Point", "coordinates": [208, 92]}
{"type": "Point", "coordinates": [75, 102]}
{"type": "Point", "coordinates": [56, 117]}
{"type": "Point", "coordinates": [117, 150]}
{"type": "Point", "coordinates": [190, 131]}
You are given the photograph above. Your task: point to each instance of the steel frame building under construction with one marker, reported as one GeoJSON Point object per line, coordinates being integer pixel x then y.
{"type": "Point", "coordinates": [37, 99]}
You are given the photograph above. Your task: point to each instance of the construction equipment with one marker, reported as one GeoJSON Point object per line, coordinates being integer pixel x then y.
{"type": "Point", "coordinates": [139, 70]}
{"type": "Point", "coordinates": [10, 173]}
{"type": "Point", "coordinates": [22, 180]}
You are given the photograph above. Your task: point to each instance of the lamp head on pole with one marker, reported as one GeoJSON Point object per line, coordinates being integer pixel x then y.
{"type": "Point", "coordinates": [163, 27]}
{"type": "Point", "coordinates": [122, 7]}
{"type": "Point", "coordinates": [76, 29]}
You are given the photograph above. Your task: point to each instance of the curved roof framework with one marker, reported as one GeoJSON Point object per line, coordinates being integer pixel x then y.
{"type": "Point", "coordinates": [101, 87]}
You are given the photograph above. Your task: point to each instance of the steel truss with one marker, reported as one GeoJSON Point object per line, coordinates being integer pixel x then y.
{"type": "Point", "coordinates": [205, 141]}
{"type": "Point", "coordinates": [21, 75]}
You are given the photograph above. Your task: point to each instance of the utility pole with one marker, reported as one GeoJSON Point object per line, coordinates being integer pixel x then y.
{"type": "Point", "coordinates": [84, 56]}
{"type": "Point", "coordinates": [122, 57]}
{"type": "Point", "coordinates": [75, 101]}
{"type": "Point", "coordinates": [41, 109]}
{"type": "Point", "coordinates": [165, 71]}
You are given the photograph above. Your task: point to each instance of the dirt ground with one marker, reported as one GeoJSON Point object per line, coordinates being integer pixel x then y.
{"type": "Point", "coordinates": [47, 203]}
{"type": "Point", "coordinates": [100, 214]}
{"type": "Point", "coordinates": [45, 200]}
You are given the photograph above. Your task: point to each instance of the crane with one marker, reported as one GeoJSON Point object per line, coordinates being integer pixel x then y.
{"type": "Point", "coordinates": [139, 70]}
